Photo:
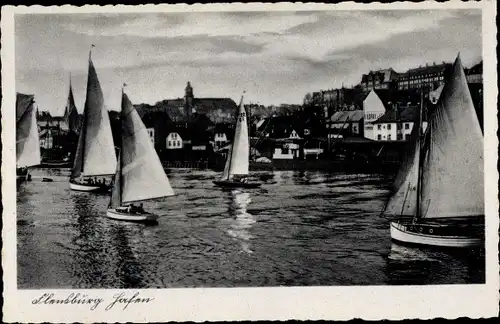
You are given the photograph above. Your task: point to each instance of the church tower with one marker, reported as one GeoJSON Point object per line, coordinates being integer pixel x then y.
{"type": "Point", "coordinates": [188, 100]}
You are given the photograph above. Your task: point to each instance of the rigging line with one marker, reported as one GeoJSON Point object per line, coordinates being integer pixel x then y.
{"type": "Point", "coordinates": [406, 196]}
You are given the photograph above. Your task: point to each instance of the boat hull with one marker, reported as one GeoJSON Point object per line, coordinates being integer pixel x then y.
{"type": "Point", "coordinates": [131, 217]}
{"type": "Point", "coordinates": [88, 187]}
{"type": "Point", "coordinates": [236, 184]}
{"type": "Point", "coordinates": [62, 164]}
{"type": "Point", "coordinates": [22, 174]}
{"type": "Point", "coordinates": [428, 235]}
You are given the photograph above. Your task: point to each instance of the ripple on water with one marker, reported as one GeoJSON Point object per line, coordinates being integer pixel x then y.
{"type": "Point", "coordinates": [306, 228]}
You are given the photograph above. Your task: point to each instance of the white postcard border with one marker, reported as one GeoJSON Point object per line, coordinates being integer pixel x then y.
{"type": "Point", "coordinates": [218, 304]}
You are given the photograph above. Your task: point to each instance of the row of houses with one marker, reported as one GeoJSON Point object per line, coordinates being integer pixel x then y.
{"type": "Point", "coordinates": [194, 128]}
{"type": "Point", "coordinates": [385, 116]}
{"type": "Point", "coordinates": [429, 77]}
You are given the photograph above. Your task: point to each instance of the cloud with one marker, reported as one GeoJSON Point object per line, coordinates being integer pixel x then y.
{"type": "Point", "coordinates": [275, 56]}
{"type": "Point", "coordinates": [195, 24]}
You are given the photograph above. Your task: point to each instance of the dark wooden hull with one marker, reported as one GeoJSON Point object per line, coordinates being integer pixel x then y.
{"type": "Point", "coordinates": [236, 184]}
{"type": "Point", "coordinates": [56, 164]}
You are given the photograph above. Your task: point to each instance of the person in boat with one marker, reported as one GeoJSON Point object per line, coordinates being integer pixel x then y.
{"type": "Point", "coordinates": [140, 209]}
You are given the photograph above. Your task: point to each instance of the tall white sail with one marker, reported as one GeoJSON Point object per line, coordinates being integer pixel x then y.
{"type": "Point", "coordinates": [27, 138]}
{"type": "Point", "coordinates": [238, 157]}
{"type": "Point", "coordinates": [96, 152]}
{"type": "Point", "coordinates": [141, 175]}
{"type": "Point", "coordinates": [403, 201]}
{"type": "Point", "coordinates": [453, 176]}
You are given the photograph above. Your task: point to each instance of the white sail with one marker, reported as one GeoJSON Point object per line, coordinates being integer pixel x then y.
{"type": "Point", "coordinates": [403, 201]}
{"type": "Point", "coordinates": [225, 174]}
{"type": "Point", "coordinates": [238, 158]}
{"type": "Point", "coordinates": [142, 175]}
{"type": "Point", "coordinates": [98, 152]}
{"type": "Point", "coordinates": [453, 176]}
{"type": "Point", "coordinates": [27, 138]}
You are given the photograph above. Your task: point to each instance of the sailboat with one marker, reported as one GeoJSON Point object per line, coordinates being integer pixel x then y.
{"type": "Point", "coordinates": [58, 158]}
{"type": "Point", "coordinates": [441, 182]}
{"type": "Point", "coordinates": [27, 138]}
{"type": "Point", "coordinates": [236, 167]}
{"type": "Point", "coordinates": [139, 173]}
{"type": "Point", "coordinates": [95, 154]}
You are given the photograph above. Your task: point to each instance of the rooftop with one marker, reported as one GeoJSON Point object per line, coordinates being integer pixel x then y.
{"type": "Point", "coordinates": [400, 97]}
{"type": "Point", "coordinates": [213, 108]}
{"type": "Point", "coordinates": [342, 116]}
{"type": "Point", "coordinates": [406, 114]}
{"type": "Point", "coordinates": [429, 68]}
{"type": "Point", "coordinates": [388, 74]}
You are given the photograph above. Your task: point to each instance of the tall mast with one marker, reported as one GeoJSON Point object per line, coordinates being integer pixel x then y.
{"type": "Point", "coordinates": [419, 169]}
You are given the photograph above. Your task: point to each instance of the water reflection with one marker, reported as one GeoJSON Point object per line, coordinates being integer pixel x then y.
{"type": "Point", "coordinates": [242, 220]}
{"type": "Point", "coordinates": [91, 256]}
{"type": "Point", "coordinates": [128, 270]}
{"type": "Point", "coordinates": [305, 233]}
{"type": "Point", "coordinates": [425, 265]}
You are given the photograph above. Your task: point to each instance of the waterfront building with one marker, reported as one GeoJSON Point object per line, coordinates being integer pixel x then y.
{"type": "Point", "coordinates": [46, 120]}
{"type": "Point", "coordinates": [346, 123]}
{"type": "Point", "coordinates": [373, 109]}
{"type": "Point", "coordinates": [378, 102]}
{"type": "Point", "coordinates": [381, 79]}
{"type": "Point", "coordinates": [475, 73]}
{"type": "Point", "coordinates": [282, 127]}
{"type": "Point", "coordinates": [313, 149]}
{"type": "Point", "coordinates": [333, 100]}
{"type": "Point", "coordinates": [46, 138]}
{"type": "Point", "coordinates": [222, 135]}
{"type": "Point", "coordinates": [286, 151]}
{"type": "Point", "coordinates": [428, 76]}
{"type": "Point", "coordinates": [396, 124]}
{"type": "Point", "coordinates": [175, 141]}
{"type": "Point", "coordinates": [185, 124]}
{"type": "Point", "coordinates": [182, 110]}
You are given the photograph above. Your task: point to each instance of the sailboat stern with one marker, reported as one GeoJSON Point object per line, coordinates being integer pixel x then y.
{"type": "Point", "coordinates": [437, 235]}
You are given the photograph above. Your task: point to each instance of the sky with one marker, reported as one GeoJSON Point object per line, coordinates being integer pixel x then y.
{"type": "Point", "coordinates": [275, 57]}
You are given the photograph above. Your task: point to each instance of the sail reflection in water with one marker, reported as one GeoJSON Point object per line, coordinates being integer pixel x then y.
{"type": "Point", "coordinates": [307, 229]}
{"type": "Point", "coordinates": [243, 221]}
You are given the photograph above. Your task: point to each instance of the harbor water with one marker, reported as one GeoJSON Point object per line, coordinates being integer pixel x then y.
{"type": "Point", "coordinates": [298, 229]}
